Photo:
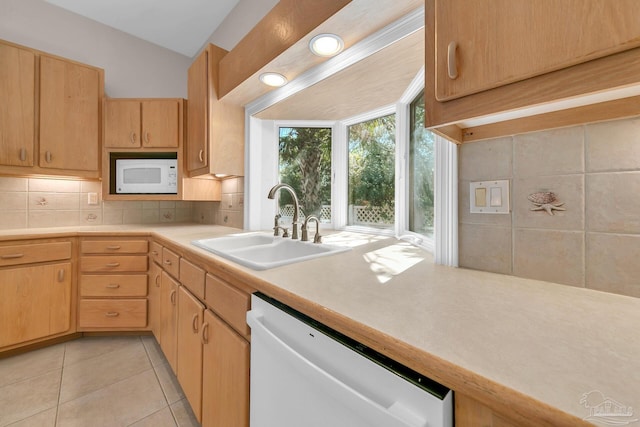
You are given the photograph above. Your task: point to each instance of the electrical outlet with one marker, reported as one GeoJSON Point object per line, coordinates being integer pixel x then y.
{"type": "Point", "coordinates": [92, 198]}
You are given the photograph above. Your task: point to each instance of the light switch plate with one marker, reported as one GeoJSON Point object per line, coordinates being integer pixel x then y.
{"type": "Point", "coordinates": [490, 197]}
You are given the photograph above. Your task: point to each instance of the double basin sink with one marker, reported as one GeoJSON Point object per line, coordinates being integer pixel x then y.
{"type": "Point", "coordinates": [261, 251]}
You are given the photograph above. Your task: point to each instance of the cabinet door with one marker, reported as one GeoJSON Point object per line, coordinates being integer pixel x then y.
{"type": "Point", "coordinates": [225, 375]}
{"type": "Point", "coordinates": [471, 413]}
{"type": "Point", "coordinates": [198, 113]}
{"type": "Point", "coordinates": [17, 106]}
{"type": "Point", "coordinates": [160, 123]}
{"type": "Point", "coordinates": [35, 302]}
{"type": "Point", "coordinates": [169, 319]}
{"type": "Point", "coordinates": [190, 313]}
{"type": "Point", "coordinates": [122, 124]}
{"type": "Point", "coordinates": [154, 305]}
{"type": "Point", "coordinates": [503, 41]}
{"type": "Point", "coordinates": [69, 115]}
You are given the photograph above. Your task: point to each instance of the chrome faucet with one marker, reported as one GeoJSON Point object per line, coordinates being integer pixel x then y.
{"type": "Point", "coordinates": [294, 224]}
{"type": "Point", "coordinates": [305, 237]}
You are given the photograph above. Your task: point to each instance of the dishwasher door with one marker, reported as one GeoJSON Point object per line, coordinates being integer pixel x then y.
{"type": "Point", "coordinates": [305, 374]}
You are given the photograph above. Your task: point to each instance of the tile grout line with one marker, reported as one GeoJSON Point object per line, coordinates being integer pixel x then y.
{"type": "Point", "coordinates": [155, 372]}
{"type": "Point", "coordinates": [64, 355]}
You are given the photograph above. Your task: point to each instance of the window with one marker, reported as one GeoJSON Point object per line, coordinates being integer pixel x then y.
{"type": "Point", "coordinates": [305, 164]}
{"type": "Point", "coordinates": [371, 192]}
{"type": "Point", "coordinates": [421, 172]}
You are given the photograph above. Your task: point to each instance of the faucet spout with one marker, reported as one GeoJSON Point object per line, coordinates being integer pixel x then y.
{"type": "Point", "coordinates": [296, 205]}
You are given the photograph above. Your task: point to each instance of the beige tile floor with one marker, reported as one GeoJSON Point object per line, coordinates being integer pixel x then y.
{"type": "Point", "coordinates": [92, 381]}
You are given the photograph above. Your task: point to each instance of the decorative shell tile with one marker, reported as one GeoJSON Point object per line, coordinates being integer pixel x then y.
{"type": "Point", "coordinates": [544, 201]}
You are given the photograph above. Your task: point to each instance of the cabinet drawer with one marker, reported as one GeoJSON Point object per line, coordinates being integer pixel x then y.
{"type": "Point", "coordinates": [113, 313]}
{"type": "Point", "coordinates": [229, 303]}
{"type": "Point", "coordinates": [192, 277]}
{"type": "Point", "coordinates": [171, 262]}
{"type": "Point", "coordinates": [114, 246]}
{"type": "Point", "coordinates": [34, 252]}
{"type": "Point", "coordinates": [108, 263]}
{"type": "Point", "coordinates": [113, 285]}
{"type": "Point", "coordinates": [155, 252]}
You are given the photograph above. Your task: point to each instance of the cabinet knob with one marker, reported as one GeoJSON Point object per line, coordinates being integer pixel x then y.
{"type": "Point", "coordinates": [61, 274]}
{"type": "Point", "coordinates": [23, 154]}
{"type": "Point", "coordinates": [132, 137]}
{"type": "Point", "coordinates": [201, 156]}
{"type": "Point", "coordinates": [48, 156]}
{"type": "Point", "coordinates": [452, 64]}
{"type": "Point", "coordinates": [146, 137]}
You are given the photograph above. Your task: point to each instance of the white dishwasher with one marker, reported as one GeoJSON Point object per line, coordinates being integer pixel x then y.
{"type": "Point", "coordinates": [304, 374]}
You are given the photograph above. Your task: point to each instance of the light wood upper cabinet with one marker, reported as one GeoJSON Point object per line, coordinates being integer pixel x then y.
{"type": "Point", "coordinates": [489, 57]}
{"type": "Point", "coordinates": [151, 123]}
{"type": "Point", "coordinates": [215, 130]}
{"type": "Point", "coordinates": [481, 45]}
{"type": "Point", "coordinates": [17, 106]}
{"type": "Point", "coordinates": [70, 98]}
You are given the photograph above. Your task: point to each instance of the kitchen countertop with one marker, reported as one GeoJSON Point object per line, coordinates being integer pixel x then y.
{"type": "Point", "coordinates": [525, 348]}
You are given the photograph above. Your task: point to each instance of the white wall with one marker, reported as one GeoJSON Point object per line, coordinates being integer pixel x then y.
{"type": "Point", "coordinates": [133, 67]}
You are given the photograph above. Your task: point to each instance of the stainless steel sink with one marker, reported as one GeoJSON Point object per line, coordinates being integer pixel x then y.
{"type": "Point", "coordinates": [261, 251]}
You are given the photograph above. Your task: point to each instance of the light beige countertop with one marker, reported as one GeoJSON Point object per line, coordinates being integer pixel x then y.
{"type": "Point", "coordinates": [526, 348]}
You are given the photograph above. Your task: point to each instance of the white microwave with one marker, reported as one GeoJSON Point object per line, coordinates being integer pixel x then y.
{"type": "Point", "coordinates": [146, 176]}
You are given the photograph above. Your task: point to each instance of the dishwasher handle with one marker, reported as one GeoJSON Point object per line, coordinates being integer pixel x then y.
{"type": "Point", "coordinates": [396, 413]}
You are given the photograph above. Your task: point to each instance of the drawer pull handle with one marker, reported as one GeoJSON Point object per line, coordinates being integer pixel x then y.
{"type": "Point", "coordinates": [48, 157]}
{"type": "Point", "coordinates": [173, 297]}
{"type": "Point", "coordinates": [112, 314]}
{"type": "Point", "coordinates": [452, 65]}
{"type": "Point", "coordinates": [113, 286]}
{"type": "Point", "coordinates": [23, 154]}
{"type": "Point", "coordinates": [146, 137]}
{"type": "Point", "coordinates": [132, 137]}
{"type": "Point", "coordinates": [11, 256]}
{"type": "Point", "coordinates": [204, 334]}
{"type": "Point", "coordinates": [201, 156]}
{"type": "Point", "coordinates": [61, 274]}
{"type": "Point", "coordinates": [157, 280]}
{"type": "Point", "coordinates": [113, 247]}
{"type": "Point", "coordinates": [113, 264]}
{"type": "Point", "coordinates": [194, 323]}
{"type": "Point", "coordinates": [154, 253]}
{"type": "Point", "coordinates": [167, 261]}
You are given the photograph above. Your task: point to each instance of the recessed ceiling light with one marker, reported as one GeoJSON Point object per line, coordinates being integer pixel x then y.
{"type": "Point", "coordinates": [326, 45]}
{"type": "Point", "coordinates": [273, 79]}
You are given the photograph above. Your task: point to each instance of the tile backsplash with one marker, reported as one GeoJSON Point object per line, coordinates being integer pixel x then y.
{"type": "Point", "coordinates": [40, 202]}
{"type": "Point", "coordinates": [594, 169]}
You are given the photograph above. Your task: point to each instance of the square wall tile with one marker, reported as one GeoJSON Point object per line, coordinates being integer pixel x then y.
{"type": "Point", "coordinates": [12, 201]}
{"type": "Point", "coordinates": [13, 184]}
{"type": "Point", "coordinates": [612, 263]}
{"type": "Point", "coordinates": [484, 160]}
{"type": "Point", "coordinates": [613, 146]}
{"type": "Point", "coordinates": [54, 185]}
{"type": "Point", "coordinates": [485, 247]}
{"type": "Point", "coordinates": [613, 204]}
{"type": "Point", "coordinates": [552, 152]}
{"type": "Point", "coordinates": [553, 256]}
{"type": "Point", "coordinates": [569, 189]}
{"type": "Point", "coordinates": [13, 219]}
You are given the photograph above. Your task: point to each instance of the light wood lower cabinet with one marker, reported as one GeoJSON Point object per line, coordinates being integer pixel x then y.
{"type": "Point", "coordinates": [169, 319]}
{"type": "Point", "coordinates": [113, 284]}
{"type": "Point", "coordinates": [35, 302]}
{"type": "Point", "coordinates": [153, 309]}
{"type": "Point", "coordinates": [471, 413]}
{"type": "Point", "coordinates": [225, 375]}
{"type": "Point", "coordinates": [190, 314]}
